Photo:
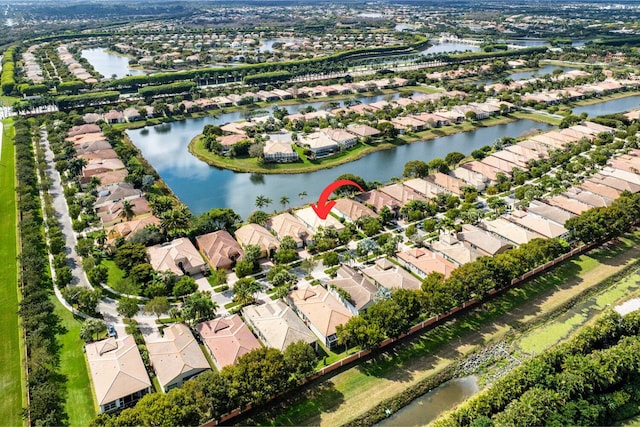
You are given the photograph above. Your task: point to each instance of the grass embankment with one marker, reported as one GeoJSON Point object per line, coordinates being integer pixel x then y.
{"type": "Point", "coordinates": [360, 150]}
{"type": "Point", "coordinates": [352, 392]}
{"type": "Point", "coordinates": [12, 375]}
{"type": "Point", "coordinates": [80, 404]}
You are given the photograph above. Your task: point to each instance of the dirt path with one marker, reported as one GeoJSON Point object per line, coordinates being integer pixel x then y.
{"type": "Point", "coordinates": [361, 393]}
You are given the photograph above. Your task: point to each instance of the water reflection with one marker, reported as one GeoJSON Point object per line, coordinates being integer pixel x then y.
{"type": "Point", "coordinates": [609, 107]}
{"type": "Point", "coordinates": [429, 406]}
{"type": "Point", "coordinates": [109, 64]}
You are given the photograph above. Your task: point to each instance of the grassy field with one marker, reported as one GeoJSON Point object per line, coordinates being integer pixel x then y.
{"type": "Point", "coordinates": [353, 391]}
{"type": "Point", "coordinates": [12, 383]}
{"type": "Point", "coordinates": [80, 400]}
{"type": "Point", "coordinates": [559, 329]}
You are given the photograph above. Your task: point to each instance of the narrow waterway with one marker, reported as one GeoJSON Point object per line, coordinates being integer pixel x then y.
{"type": "Point", "coordinates": [430, 405]}
{"type": "Point", "coordinates": [610, 107]}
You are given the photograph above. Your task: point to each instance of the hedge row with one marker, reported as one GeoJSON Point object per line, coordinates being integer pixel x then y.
{"type": "Point", "coordinates": [7, 80]}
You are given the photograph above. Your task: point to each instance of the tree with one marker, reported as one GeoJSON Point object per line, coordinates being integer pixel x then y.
{"type": "Point", "coordinates": [300, 359]}
{"type": "Point", "coordinates": [348, 189]}
{"type": "Point", "coordinates": [129, 255]}
{"type": "Point", "coordinates": [258, 217]}
{"type": "Point", "coordinates": [199, 307]}
{"type": "Point", "coordinates": [438, 165]}
{"type": "Point", "coordinates": [244, 290]}
{"type": "Point", "coordinates": [308, 265]}
{"type": "Point", "coordinates": [98, 275]}
{"type": "Point", "coordinates": [127, 210]}
{"type": "Point", "coordinates": [415, 168]}
{"type": "Point", "coordinates": [157, 306]}
{"type": "Point", "coordinates": [91, 328]}
{"type": "Point", "coordinates": [214, 220]}
{"type": "Point", "coordinates": [185, 286]}
{"type": "Point", "coordinates": [330, 259]}
{"type": "Point", "coordinates": [285, 256]}
{"type": "Point", "coordinates": [88, 299]}
{"type": "Point", "coordinates": [369, 225]}
{"type": "Point", "coordinates": [128, 307]}
{"type": "Point", "coordinates": [453, 158]}
{"type": "Point", "coordinates": [176, 220]}
{"type": "Point", "coordinates": [284, 201]}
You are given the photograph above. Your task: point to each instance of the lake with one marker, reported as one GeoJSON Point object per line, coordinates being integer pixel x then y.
{"type": "Point", "coordinates": [609, 107]}
{"type": "Point", "coordinates": [430, 405]}
{"type": "Point", "coordinates": [109, 64]}
{"type": "Point", "coordinates": [203, 187]}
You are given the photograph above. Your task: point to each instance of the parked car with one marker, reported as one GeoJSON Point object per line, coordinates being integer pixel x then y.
{"type": "Point", "coordinates": [111, 330]}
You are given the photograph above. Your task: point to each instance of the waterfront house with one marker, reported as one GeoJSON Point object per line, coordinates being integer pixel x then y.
{"type": "Point", "coordinates": [277, 325]}
{"type": "Point", "coordinates": [352, 210]}
{"type": "Point", "coordinates": [220, 249]}
{"type": "Point", "coordinates": [227, 339]}
{"type": "Point", "coordinates": [313, 222]}
{"type": "Point", "coordinates": [113, 117]}
{"type": "Point", "coordinates": [286, 224]}
{"type": "Point", "coordinates": [118, 375]}
{"type": "Point", "coordinates": [127, 229]}
{"type": "Point", "coordinates": [176, 357]}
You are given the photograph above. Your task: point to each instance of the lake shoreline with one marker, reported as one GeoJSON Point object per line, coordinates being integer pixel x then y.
{"type": "Point", "coordinates": [197, 150]}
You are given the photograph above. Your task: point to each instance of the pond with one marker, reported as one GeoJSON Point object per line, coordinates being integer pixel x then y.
{"type": "Point", "coordinates": [429, 406]}
{"type": "Point", "coordinates": [109, 64]}
{"type": "Point", "coordinates": [203, 187]}
{"type": "Point", "coordinates": [609, 107]}
{"type": "Point", "coordinates": [450, 47]}
{"type": "Point", "coordinates": [524, 75]}
{"type": "Point", "coordinates": [267, 45]}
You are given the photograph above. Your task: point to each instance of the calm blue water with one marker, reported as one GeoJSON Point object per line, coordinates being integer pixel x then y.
{"type": "Point", "coordinates": [203, 187]}
{"type": "Point", "coordinates": [609, 107]}
{"type": "Point", "coordinates": [109, 64]}
{"type": "Point", "coordinates": [450, 47]}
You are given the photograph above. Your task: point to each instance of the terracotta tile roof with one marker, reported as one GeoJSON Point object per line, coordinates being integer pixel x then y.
{"type": "Point", "coordinates": [227, 339]}
{"type": "Point", "coordinates": [353, 210]}
{"type": "Point", "coordinates": [277, 324]}
{"type": "Point", "coordinates": [168, 256]}
{"type": "Point", "coordinates": [286, 224]}
{"type": "Point", "coordinates": [220, 249]}
{"type": "Point", "coordinates": [116, 368]}
{"type": "Point", "coordinates": [320, 307]}
{"type": "Point", "coordinates": [426, 261]}
{"type": "Point", "coordinates": [254, 234]}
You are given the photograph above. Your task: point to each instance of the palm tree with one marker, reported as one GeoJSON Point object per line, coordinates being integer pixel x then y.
{"type": "Point", "coordinates": [261, 201]}
{"type": "Point", "coordinates": [267, 201]}
{"type": "Point", "coordinates": [127, 210]}
{"type": "Point", "coordinates": [284, 201]}
{"type": "Point", "coordinates": [175, 219]}
{"type": "Point", "coordinates": [302, 194]}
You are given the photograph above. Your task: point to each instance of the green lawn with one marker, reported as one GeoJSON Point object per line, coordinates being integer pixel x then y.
{"type": "Point", "coordinates": [12, 384]}
{"type": "Point", "coordinates": [80, 400]}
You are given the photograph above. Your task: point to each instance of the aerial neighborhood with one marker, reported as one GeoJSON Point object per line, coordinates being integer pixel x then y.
{"type": "Point", "coordinates": [480, 173]}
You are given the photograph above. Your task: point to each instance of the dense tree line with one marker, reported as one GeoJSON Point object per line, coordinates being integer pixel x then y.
{"type": "Point", "coordinates": [82, 100]}
{"type": "Point", "coordinates": [41, 325]}
{"type": "Point", "coordinates": [255, 378]}
{"type": "Point", "coordinates": [591, 380]}
{"type": "Point", "coordinates": [178, 87]}
{"type": "Point", "coordinates": [263, 78]}
{"type": "Point", "coordinates": [392, 317]}
{"type": "Point", "coordinates": [7, 79]}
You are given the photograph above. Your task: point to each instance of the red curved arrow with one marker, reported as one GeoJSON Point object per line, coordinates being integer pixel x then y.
{"type": "Point", "coordinates": [324, 206]}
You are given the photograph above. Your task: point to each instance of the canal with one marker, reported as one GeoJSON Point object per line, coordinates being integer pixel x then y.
{"type": "Point", "coordinates": [609, 107]}
{"type": "Point", "coordinates": [430, 405]}
{"type": "Point", "coordinates": [202, 187]}
{"type": "Point", "coordinates": [109, 64]}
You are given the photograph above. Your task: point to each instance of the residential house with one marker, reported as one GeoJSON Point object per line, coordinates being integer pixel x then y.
{"type": "Point", "coordinates": [363, 131]}
{"type": "Point", "coordinates": [82, 129]}
{"type": "Point", "coordinates": [320, 310]}
{"type": "Point", "coordinates": [254, 234]}
{"type": "Point", "coordinates": [433, 120]}
{"type": "Point", "coordinates": [471, 178]}
{"type": "Point", "coordinates": [587, 197]}
{"type": "Point", "coordinates": [572, 206]}
{"type": "Point", "coordinates": [352, 210]}
{"type": "Point", "coordinates": [92, 146]}
{"type": "Point", "coordinates": [177, 357]}
{"type": "Point", "coordinates": [449, 183]}
{"type": "Point", "coordinates": [220, 249]}
{"type": "Point", "coordinates": [401, 193]}
{"type": "Point", "coordinates": [279, 150]}
{"type": "Point", "coordinates": [91, 118]}
{"type": "Point", "coordinates": [502, 165]}
{"type": "Point", "coordinates": [482, 241]}
{"type": "Point", "coordinates": [277, 325]}
{"type": "Point", "coordinates": [319, 143]}
{"type": "Point", "coordinates": [361, 292]}
{"type": "Point", "coordinates": [178, 256]}
{"type": "Point", "coordinates": [423, 187]}
{"type": "Point", "coordinates": [377, 200]}
{"type": "Point", "coordinates": [386, 274]}
{"type": "Point", "coordinates": [106, 178]}
{"type": "Point", "coordinates": [129, 228]}
{"type": "Point", "coordinates": [116, 193]}
{"type": "Point", "coordinates": [595, 186]}
{"type": "Point", "coordinates": [408, 124]}
{"type": "Point", "coordinates": [343, 138]}
{"type": "Point", "coordinates": [313, 222]}
{"type": "Point", "coordinates": [453, 249]}
{"type": "Point", "coordinates": [118, 375]}
{"type": "Point", "coordinates": [286, 224]}
{"type": "Point", "coordinates": [131, 115]}
{"type": "Point", "coordinates": [227, 339]}
{"type": "Point", "coordinates": [112, 213]}
{"type": "Point", "coordinates": [113, 117]}
{"type": "Point", "coordinates": [550, 212]}
{"type": "Point", "coordinates": [490, 173]}
{"type": "Point", "coordinates": [422, 261]}
{"type": "Point", "coordinates": [509, 231]}
{"type": "Point", "coordinates": [537, 224]}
